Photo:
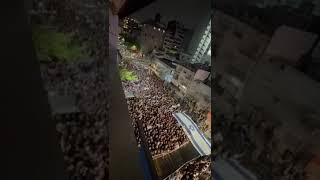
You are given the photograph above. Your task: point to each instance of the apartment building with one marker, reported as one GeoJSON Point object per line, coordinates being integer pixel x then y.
{"type": "Point", "coordinates": [151, 36]}
{"type": "Point", "coordinates": [173, 40]}
{"type": "Point", "coordinates": [204, 47]}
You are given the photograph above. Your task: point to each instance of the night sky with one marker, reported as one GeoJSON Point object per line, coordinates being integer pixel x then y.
{"type": "Point", "coordinates": [188, 12]}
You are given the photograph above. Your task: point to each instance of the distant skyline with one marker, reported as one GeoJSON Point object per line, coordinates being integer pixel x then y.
{"type": "Point", "coordinates": [189, 12]}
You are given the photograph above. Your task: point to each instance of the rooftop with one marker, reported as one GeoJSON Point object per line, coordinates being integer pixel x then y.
{"type": "Point", "coordinates": [153, 23]}
{"type": "Point", "coordinates": [168, 62]}
{"type": "Point", "coordinates": [194, 67]}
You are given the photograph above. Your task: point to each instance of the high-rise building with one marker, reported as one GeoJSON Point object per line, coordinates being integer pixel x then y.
{"type": "Point", "coordinates": [204, 46]}
{"type": "Point", "coordinates": [173, 40]}
{"type": "Point", "coordinates": [151, 36]}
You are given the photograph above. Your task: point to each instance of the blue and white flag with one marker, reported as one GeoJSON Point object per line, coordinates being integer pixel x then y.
{"type": "Point", "coordinates": [197, 138]}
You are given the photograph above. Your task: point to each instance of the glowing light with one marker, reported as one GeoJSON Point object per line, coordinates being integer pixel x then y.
{"type": "Point", "coordinates": [134, 47]}
{"type": "Point", "coordinates": [209, 52]}
{"type": "Point", "coordinates": [159, 29]}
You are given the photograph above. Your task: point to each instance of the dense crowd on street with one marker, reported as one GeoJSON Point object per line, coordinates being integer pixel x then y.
{"type": "Point", "coordinates": [199, 168]}
{"type": "Point", "coordinates": [81, 141]}
{"type": "Point", "coordinates": [153, 108]}
{"type": "Point", "coordinates": [83, 136]}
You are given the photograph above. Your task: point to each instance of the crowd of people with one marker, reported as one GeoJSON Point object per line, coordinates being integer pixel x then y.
{"type": "Point", "coordinates": [153, 107]}
{"type": "Point", "coordinates": [83, 145]}
{"type": "Point", "coordinates": [161, 130]}
{"type": "Point", "coordinates": [83, 136]}
{"type": "Point", "coordinates": [199, 168]}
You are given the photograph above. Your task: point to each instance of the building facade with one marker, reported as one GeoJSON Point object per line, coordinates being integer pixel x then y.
{"type": "Point", "coordinates": [199, 92]}
{"type": "Point", "coordinates": [185, 57]}
{"type": "Point", "coordinates": [173, 40]}
{"type": "Point", "coordinates": [204, 46]}
{"type": "Point", "coordinates": [151, 36]}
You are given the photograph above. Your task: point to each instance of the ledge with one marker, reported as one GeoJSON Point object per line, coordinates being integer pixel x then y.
{"type": "Point", "coordinates": [124, 156]}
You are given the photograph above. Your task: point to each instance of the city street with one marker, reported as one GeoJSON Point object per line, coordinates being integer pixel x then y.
{"type": "Point", "coordinates": [150, 103]}
{"type": "Point", "coordinates": [154, 107]}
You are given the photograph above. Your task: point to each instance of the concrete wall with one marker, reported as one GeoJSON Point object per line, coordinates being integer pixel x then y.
{"type": "Point", "coordinates": [115, 5]}
{"type": "Point", "coordinates": [161, 69]}
{"type": "Point", "coordinates": [121, 130]}
{"type": "Point", "coordinates": [183, 75]}
{"type": "Point", "coordinates": [200, 92]}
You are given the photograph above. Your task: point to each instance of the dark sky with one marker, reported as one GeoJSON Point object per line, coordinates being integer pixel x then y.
{"type": "Point", "coordinates": [188, 12]}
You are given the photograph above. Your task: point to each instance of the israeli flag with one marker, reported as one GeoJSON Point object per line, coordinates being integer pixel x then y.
{"type": "Point", "coordinates": [197, 138]}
